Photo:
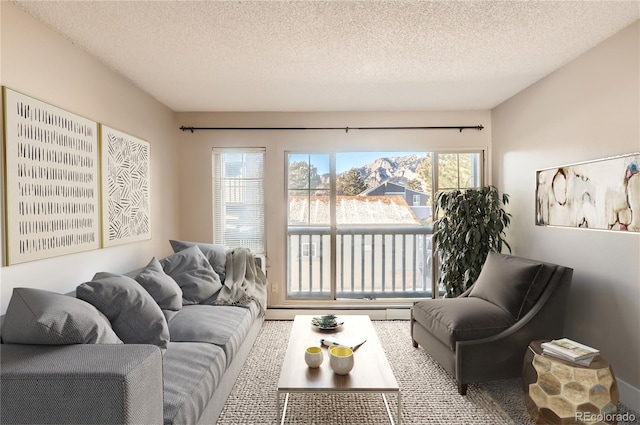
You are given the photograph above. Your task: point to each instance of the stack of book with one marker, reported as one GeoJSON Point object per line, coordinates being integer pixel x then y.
{"type": "Point", "coordinates": [569, 350]}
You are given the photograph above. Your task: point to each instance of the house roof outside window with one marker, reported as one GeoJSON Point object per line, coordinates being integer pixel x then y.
{"type": "Point", "coordinates": [352, 210]}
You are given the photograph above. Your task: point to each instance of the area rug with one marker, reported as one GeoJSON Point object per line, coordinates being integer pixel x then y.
{"type": "Point", "coordinates": [428, 394]}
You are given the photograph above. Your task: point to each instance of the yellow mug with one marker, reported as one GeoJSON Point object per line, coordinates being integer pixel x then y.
{"type": "Point", "coordinates": [313, 357]}
{"type": "Point", "coordinates": [341, 359]}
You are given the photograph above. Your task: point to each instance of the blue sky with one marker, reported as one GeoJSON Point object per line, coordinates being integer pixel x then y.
{"type": "Point", "coordinates": [347, 160]}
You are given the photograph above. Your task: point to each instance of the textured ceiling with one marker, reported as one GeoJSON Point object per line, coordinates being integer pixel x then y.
{"type": "Point", "coordinates": [334, 55]}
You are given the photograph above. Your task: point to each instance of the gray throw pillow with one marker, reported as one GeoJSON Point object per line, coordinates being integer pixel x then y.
{"type": "Point", "coordinates": [160, 286]}
{"type": "Point", "coordinates": [191, 269]}
{"type": "Point", "coordinates": [41, 317]}
{"type": "Point", "coordinates": [506, 281]}
{"type": "Point", "coordinates": [215, 253]}
{"type": "Point", "coordinates": [134, 314]}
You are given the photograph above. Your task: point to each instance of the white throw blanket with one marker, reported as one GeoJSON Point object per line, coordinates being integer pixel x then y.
{"type": "Point", "coordinates": [244, 282]}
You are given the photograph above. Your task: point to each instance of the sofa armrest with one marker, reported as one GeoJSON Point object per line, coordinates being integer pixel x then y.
{"type": "Point", "coordinates": [81, 384]}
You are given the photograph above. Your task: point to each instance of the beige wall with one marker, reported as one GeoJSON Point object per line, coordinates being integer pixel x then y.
{"type": "Point", "coordinates": [587, 110]}
{"type": "Point", "coordinates": [195, 158]}
{"type": "Point", "coordinates": [39, 63]}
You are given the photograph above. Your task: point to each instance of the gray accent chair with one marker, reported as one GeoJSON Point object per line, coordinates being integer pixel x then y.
{"type": "Point", "coordinates": [483, 334]}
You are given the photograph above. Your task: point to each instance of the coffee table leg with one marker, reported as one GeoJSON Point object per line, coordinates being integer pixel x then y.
{"type": "Point", "coordinates": [284, 408]}
{"type": "Point", "coordinates": [386, 405]}
{"type": "Point", "coordinates": [399, 411]}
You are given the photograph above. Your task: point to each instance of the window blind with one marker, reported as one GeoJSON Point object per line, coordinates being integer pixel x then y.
{"type": "Point", "coordinates": [238, 198]}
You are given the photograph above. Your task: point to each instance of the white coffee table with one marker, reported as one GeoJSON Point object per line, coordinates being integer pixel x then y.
{"type": "Point", "coordinates": [371, 372]}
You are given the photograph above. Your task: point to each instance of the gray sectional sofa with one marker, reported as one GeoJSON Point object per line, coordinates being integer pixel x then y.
{"type": "Point", "coordinates": [161, 344]}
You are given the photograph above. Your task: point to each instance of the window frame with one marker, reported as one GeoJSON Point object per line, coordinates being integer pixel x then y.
{"type": "Point", "coordinates": [482, 172]}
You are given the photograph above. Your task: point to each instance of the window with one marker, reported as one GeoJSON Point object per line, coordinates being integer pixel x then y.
{"type": "Point", "coordinates": [305, 250]}
{"type": "Point", "coordinates": [360, 223]}
{"type": "Point", "coordinates": [238, 198]}
{"type": "Point", "coordinates": [458, 170]}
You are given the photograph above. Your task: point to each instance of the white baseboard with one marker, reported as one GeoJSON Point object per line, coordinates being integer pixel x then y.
{"type": "Point", "coordinates": [398, 313]}
{"type": "Point", "coordinates": [381, 314]}
{"type": "Point", "coordinates": [629, 395]}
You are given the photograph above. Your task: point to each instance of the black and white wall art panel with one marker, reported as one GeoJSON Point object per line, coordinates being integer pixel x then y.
{"type": "Point", "coordinates": [126, 209]}
{"type": "Point", "coordinates": [52, 180]}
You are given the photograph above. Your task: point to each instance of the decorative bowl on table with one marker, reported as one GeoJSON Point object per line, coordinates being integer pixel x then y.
{"type": "Point", "coordinates": [327, 322]}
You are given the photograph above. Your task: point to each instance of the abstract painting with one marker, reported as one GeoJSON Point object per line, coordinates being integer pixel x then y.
{"type": "Point", "coordinates": [602, 194]}
{"type": "Point", "coordinates": [52, 182]}
{"type": "Point", "coordinates": [126, 208]}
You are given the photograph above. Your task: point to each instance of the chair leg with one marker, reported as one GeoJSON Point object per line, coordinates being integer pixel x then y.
{"type": "Point", "coordinates": [462, 389]}
{"type": "Point", "coordinates": [413, 341]}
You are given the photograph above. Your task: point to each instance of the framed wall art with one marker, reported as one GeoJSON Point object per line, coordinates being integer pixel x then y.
{"type": "Point", "coordinates": [126, 209]}
{"type": "Point", "coordinates": [602, 194]}
{"type": "Point", "coordinates": [52, 180]}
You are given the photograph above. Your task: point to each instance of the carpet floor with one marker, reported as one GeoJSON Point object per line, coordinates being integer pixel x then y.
{"type": "Point", "coordinates": [428, 394]}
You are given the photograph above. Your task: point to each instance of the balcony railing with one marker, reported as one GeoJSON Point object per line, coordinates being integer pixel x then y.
{"type": "Point", "coordinates": [370, 262]}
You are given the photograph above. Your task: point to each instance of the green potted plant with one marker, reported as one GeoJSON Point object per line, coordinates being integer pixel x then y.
{"type": "Point", "coordinates": [469, 224]}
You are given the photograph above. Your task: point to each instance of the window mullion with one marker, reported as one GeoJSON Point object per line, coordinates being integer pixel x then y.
{"type": "Point", "coordinates": [435, 275]}
{"type": "Point", "coordinates": [332, 224]}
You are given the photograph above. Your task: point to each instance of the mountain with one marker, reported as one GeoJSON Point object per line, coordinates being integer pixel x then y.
{"type": "Point", "coordinates": [397, 169]}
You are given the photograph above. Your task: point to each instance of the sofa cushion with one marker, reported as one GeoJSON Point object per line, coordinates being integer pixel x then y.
{"type": "Point", "coordinates": [134, 314]}
{"type": "Point", "coordinates": [164, 290]}
{"type": "Point", "coordinates": [41, 317]}
{"type": "Point", "coordinates": [224, 326]}
{"type": "Point", "coordinates": [215, 253]}
{"type": "Point", "coordinates": [543, 278]}
{"type": "Point", "coordinates": [191, 374]}
{"type": "Point", "coordinates": [192, 271]}
{"type": "Point", "coordinates": [461, 319]}
{"type": "Point", "coordinates": [508, 281]}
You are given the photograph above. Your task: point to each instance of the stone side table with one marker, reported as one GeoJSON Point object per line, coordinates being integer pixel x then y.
{"type": "Point", "coordinates": [561, 392]}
